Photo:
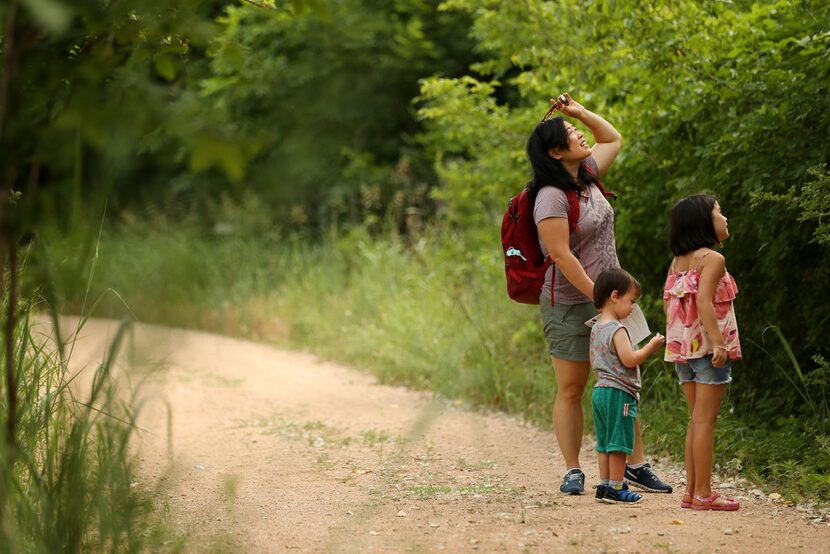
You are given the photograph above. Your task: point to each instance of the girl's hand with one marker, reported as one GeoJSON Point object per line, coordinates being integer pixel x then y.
{"type": "Point", "coordinates": [718, 356]}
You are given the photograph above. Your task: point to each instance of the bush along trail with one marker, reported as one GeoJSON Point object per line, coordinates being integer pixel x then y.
{"type": "Point", "coordinates": [247, 448]}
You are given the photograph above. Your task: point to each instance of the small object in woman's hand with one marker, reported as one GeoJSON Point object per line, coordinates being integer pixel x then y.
{"type": "Point", "coordinates": [557, 103]}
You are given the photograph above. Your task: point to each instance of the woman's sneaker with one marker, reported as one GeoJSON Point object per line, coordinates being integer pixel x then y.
{"type": "Point", "coordinates": [573, 482]}
{"type": "Point", "coordinates": [621, 495]}
{"type": "Point", "coordinates": [644, 478]}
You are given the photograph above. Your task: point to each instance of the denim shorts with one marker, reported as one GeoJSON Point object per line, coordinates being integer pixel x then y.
{"type": "Point", "coordinates": [568, 336]}
{"type": "Point", "coordinates": [701, 370]}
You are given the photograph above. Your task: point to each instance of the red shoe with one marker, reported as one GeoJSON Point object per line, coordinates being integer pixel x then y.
{"type": "Point", "coordinates": [687, 500]}
{"type": "Point", "coordinates": [728, 504]}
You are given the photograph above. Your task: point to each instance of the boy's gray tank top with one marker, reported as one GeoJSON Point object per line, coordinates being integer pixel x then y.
{"type": "Point", "coordinates": [608, 369]}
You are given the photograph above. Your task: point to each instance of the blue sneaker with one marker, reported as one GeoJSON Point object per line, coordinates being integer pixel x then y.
{"type": "Point", "coordinates": [622, 496]}
{"type": "Point", "coordinates": [573, 482]}
{"type": "Point", "coordinates": [644, 478]}
{"type": "Point", "coordinates": [600, 492]}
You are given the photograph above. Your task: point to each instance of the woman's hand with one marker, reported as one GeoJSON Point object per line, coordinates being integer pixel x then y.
{"type": "Point", "coordinates": [608, 140]}
{"type": "Point", "coordinates": [572, 108]}
{"type": "Point", "coordinates": [555, 233]}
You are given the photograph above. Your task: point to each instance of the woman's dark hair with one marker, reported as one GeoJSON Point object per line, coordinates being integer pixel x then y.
{"type": "Point", "coordinates": [612, 280]}
{"type": "Point", "coordinates": [548, 171]}
{"type": "Point", "coordinates": [691, 225]}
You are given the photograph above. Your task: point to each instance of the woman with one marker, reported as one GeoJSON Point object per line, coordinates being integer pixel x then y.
{"type": "Point", "coordinates": [559, 155]}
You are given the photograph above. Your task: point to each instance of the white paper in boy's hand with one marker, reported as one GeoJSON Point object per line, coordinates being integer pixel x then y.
{"type": "Point", "coordinates": [635, 324]}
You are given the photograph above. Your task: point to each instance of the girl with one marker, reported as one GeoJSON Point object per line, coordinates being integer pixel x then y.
{"type": "Point", "coordinates": [701, 335]}
{"type": "Point", "coordinates": [617, 390]}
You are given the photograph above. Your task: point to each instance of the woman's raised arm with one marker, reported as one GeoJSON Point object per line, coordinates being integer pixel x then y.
{"type": "Point", "coordinates": [608, 139]}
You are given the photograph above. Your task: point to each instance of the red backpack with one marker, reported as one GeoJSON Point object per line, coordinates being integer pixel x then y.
{"type": "Point", "coordinates": [524, 263]}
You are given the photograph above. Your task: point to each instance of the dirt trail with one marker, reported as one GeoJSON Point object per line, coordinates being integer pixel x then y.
{"type": "Point", "coordinates": [264, 450]}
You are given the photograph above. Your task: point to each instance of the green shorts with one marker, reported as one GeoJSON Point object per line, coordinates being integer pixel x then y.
{"type": "Point", "coordinates": [614, 413]}
{"type": "Point", "coordinates": [568, 336]}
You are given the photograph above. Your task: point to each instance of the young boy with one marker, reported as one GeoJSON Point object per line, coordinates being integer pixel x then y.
{"type": "Point", "coordinates": [617, 388]}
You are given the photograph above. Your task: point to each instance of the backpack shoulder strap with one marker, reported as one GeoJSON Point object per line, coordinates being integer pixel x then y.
{"type": "Point", "coordinates": [598, 182]}
{"type": "Point", "coordinates": [573, 210]}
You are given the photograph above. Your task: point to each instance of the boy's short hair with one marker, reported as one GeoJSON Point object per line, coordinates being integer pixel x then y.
{"type": "Point", "coordinates": [691, 225]}
{"type": "Point", "coordinates": [612, 280]}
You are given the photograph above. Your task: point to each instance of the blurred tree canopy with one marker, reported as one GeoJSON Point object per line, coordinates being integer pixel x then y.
{"type": "Point", "coordinates": [727, 97]}
{"type": "Point", "coordinates": [328, 94]}
{"type": "Point", "coordinates": [305, 105]}
{"type": "Point", "coordinates": [85, 87]}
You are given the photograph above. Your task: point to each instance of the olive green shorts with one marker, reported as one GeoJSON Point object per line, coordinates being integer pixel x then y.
{"type": "Point", "coordinates": [568, 336]}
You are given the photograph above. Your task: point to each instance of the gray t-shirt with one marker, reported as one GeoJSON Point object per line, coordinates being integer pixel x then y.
{"type": "Point", "coordinates": [592, 243]}
{"type": "Point", "coordinates": [608, 369]}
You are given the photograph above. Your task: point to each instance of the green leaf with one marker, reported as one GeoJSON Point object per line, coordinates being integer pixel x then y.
{"type": "Point", "coordinates": [50, 14]}
{"type": "Point", "coordinates": [165, 67]}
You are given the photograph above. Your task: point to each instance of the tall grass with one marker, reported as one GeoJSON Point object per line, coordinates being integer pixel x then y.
{"type": "Point", "coordinates": [391, 306]}
{"type": "Point", "coordinates": [428, 314]}
{"type": "Point", "coordinates": [67, 467]}
{"type": "Point", "coordinates": [66, 477]}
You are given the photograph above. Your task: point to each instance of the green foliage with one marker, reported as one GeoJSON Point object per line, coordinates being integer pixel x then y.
{"type": "Point", "coordinates": [711, 96]}
{"type": "Point", "coordinates": [87, 93]}
{"type": "Point", "coordinates": [810, 202]}
{"type": "Point", "coordinates": [306, 104]}
{"type": "Point", "coordinates": [327, 91]}
{"type": "Point", "coordinates": [187, 276]}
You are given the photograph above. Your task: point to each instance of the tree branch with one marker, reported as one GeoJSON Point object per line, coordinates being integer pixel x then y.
{"type": "Point", "coordinates": [9, 61]}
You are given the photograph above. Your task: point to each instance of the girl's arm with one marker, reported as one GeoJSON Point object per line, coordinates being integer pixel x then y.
{"type": "Point", "coordinates": [629, 357]}
{"type": "Point", "coordinates": [712, 270]}
{"type": "Point", "coordinates": [555, 233]}
{"type": "Point", "coordinates": [609, 140]}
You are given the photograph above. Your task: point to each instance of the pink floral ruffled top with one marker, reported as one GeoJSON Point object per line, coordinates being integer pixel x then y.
{"type": "Point", "coordinates": [685, 335]}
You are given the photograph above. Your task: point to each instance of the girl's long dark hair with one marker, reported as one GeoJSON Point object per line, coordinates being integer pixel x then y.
{"type": "Point", "coordinates": [548, 171]}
